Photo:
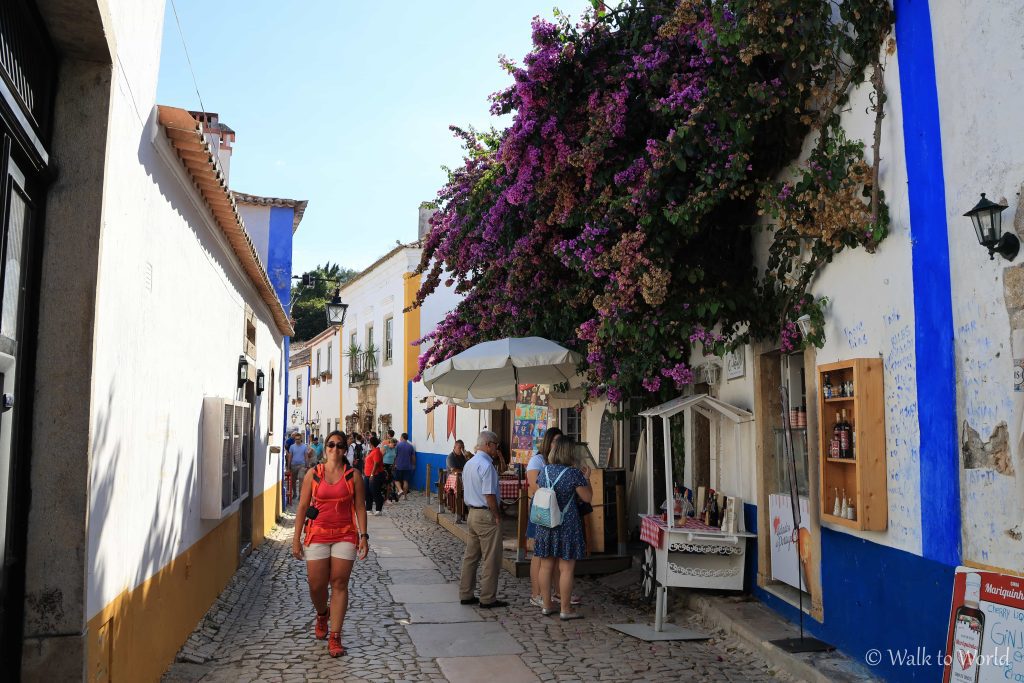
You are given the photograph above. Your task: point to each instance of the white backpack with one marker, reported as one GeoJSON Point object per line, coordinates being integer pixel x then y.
{"type": "Point", "coordinates": [545, 511]}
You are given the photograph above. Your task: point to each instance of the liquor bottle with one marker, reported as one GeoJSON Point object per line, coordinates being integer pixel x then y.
{"type": "Point", "coordinates": [837, 436]}
{"type": "Point", "coordinates": [836, 508]}
{"type": "Point", "coordinates": [845, 432]}
{"type": "Point", "coordinates": [714, 511]}
{"type": "Point", "coordinates": [828, 386]}
{"type": "Point", "coordinates": [723, 515]}
{"type": "Point", "coordinates": [851, 509]}
{"type": "Point", "coordinates": [968, 629]}
{"type": "Point", "coordinates": [844, 508]}
{"type": "Point", "coordinates": [851, 387]}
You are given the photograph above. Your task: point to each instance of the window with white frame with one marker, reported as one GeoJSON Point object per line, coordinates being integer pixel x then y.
{"type": "Point", "coordinates": [298, 386]}
{"type": "Point", "coordinates": [318, 361]}
{"type": "Point", "coordinates": [569, 423]}
{"type": "Point", "coordinates": [330, 353]}
{"type": "Point", "coordinates": [369, 337]}
{"type": "Point", "coordinates": [353, 340]}
{"type": "Point", "coordinates": [389, 339]}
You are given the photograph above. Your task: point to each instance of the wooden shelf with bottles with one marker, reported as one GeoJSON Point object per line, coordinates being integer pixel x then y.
{"type": "Point", "coordinates": [863, 477]}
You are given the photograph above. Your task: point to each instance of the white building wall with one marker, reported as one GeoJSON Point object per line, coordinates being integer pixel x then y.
{"type": "Point", "coordinates": [257, 224]}
{"type": "Point", "coordinates": [298, 398]}
{"type": "Point", "coordinates": [325, 397]}
{"type": "Point", "coordinates": [983, 151]}
{"type": "Point", "coordinates": [870, 314]}
{"type": "Point", "coordinates": [169, 330]}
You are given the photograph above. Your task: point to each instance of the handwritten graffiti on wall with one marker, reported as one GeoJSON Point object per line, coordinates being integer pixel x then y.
{"type": "Point", "coordinates": [855, 336]}
{"type": "Point", "coordinates": [988, 487]}
{"type": "Point", "coordinates": [903, 436]}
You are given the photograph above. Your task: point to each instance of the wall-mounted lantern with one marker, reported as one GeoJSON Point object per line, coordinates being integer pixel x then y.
{"type": "Point", "coordinates": [243, 371]}
{"type": "Point", "coordinates": [803, 323]}
{"type": "Point", "coordinates": [711, 371]}
{"type": "Point", "coordinates": [261, 382]}
{"type": "Point", "coordinates": [336, 309]}
{"type": "Point", "coordinates": [987, 217]}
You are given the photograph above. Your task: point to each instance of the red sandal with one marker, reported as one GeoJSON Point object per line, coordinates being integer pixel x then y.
{"type": "Point", "coordinates": [320, 627]}
{"type": "Point", "coordinates": [334, 646]}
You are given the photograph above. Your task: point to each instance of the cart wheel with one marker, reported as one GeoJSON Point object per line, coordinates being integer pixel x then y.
{"type": "Point", "coordinates": [648, 569]}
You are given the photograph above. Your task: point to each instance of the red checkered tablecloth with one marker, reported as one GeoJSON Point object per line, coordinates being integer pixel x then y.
{"type": "Point", "coordinates": [509, 488]}
{"type": "Point", "coordinates": [652, 528]}
{"type": "Point", "coordinates": [452, 482]}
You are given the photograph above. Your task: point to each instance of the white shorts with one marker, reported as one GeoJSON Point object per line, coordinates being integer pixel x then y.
{"type": "Point", "coordinates": [343, 550]}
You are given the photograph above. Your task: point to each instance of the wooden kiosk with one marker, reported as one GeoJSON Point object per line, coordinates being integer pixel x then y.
{"type": "Point", "coordinates": [685, 552]}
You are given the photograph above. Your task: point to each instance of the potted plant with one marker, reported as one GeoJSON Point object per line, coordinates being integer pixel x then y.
{"type": "Point", "coordinates": [355, 372]}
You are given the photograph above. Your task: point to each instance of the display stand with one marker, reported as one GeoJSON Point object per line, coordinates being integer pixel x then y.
{"type": "Point", "coordinates": [687, 554]}
{"type": "Point", "coordinates": [802, 643]}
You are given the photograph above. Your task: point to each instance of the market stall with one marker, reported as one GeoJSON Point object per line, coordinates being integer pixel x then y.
{"type": "Point", "coordinates": [684, 550]}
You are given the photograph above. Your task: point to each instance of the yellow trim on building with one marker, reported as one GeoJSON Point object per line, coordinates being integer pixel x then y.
{"type": "Point", "coordinates": [136, 636]}
{"type": "Point", "coordinates": [410, 333]}
{"type": "Point", "coordinates": [412, 325]}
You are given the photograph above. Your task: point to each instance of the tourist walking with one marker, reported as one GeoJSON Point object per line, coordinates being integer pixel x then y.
{"type": "Point", "coordinates": [483, 548]}
{"type": "Point", "coordinates": [356, 450]}
{"type": "Point", "coordinates": [405, 464]}
{"type": "Point", "coordinates": [533, 468]}
{"type": "Point", "coordinates": [562, 544]}
{"type": "Point", "coordinates": [318, 449]}
{"type": "Point", "coordinates": [373, 471]}
{"type": "Point", "coordinates": [299, 459]}
{"type": "Point", "coordinates": [335, 537]}
{"type": "Point", "coordinates": [388, 448]}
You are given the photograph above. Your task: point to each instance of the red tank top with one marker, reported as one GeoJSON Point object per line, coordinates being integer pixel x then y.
{"type": "Point", "coordinates": [335, 522]}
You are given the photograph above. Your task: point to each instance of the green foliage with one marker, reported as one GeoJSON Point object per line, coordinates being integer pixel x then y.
{"type": "Point", "coordinates": [309, 303]}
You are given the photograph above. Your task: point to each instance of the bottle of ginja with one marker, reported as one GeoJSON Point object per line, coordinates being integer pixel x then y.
{"type": "Point", "coordinates": [968, 628]}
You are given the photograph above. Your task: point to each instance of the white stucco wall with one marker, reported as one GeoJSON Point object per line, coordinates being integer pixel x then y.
{"type": "Point", "coordinates": [983, 151]}
{"type": "Point", "coordinates": [298, 385]}
{"type": "Point", "coordinates": [257, 224]}
{"type": "Point", "coordinates": [169, 330]}
{"type": "Point", "coordinates": [325, 398]}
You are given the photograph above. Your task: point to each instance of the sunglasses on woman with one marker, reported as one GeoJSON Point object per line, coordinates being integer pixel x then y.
{"type": "Point", "coordinates": [334, 444]}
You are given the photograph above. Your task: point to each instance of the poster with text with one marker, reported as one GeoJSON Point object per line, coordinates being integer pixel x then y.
{"type": "Point", "coordinates": [530, 421]}
{"type": "Point", "coordinates": [985, 637]}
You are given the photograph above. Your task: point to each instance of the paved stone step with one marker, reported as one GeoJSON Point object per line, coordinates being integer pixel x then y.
{"type": "Point", "coordinates": [441, 613]}
{"type": "Point", "coordinates": [462, 640]}
{"type": "Point", "coordinates": [413, 593]}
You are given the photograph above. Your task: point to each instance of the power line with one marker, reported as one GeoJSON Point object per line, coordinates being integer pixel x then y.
{"type": "Point", "coordinates": [202, 107]}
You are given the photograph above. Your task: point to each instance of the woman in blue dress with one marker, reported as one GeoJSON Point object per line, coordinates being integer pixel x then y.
{"type": "Point", "coordinates": [564, 544]}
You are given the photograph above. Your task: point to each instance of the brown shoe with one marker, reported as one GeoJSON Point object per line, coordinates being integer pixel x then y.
{"type": "Point", "coordinates": [320, 628]}
{"type": "Point", "coordinates": [334, 646]}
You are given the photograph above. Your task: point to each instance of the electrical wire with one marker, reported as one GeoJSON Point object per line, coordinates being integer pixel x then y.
{"type": "Point", "coordinates": [202, 107]}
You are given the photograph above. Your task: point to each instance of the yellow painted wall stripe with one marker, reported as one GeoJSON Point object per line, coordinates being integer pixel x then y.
{"type": "Point", "coordinates": [411, 333]}
{"type": "Point", "coordinates": [136, 636]}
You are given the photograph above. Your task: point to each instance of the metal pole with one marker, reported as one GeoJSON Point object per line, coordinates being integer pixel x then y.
{"type": "Point", "coordinates": [620, 518]}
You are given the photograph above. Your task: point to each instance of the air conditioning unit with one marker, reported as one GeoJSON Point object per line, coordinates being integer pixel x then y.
{"type": "Point", "coordinates": [226, 456]}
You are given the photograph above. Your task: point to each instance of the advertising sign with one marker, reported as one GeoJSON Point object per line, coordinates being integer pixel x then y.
{"type": "Point", "coordinates": [782, 542]}
{"type": "Point", "coordinates": [985, 637]}
{"type": "Point", "coordinates": [530, 421]}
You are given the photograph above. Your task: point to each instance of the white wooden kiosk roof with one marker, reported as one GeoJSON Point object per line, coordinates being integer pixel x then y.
{"type": "Point", "coordinates": [708, 406]}
{"type": "Point", "coordinates": [699, 401]}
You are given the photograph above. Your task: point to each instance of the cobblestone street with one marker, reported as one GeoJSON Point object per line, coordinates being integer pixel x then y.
{"type": "Point", "coordinates": [405, 624]}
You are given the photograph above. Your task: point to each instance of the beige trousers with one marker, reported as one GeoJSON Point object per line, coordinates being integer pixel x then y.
{"type": "Point", "coordinates": [483, 546]}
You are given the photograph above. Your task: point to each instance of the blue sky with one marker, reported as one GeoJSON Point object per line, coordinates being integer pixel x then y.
{"type": "Point", "coordinates": [346, 104]}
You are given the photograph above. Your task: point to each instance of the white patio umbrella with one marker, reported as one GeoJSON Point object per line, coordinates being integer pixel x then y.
{"type": "Point", "coordinates": [497, 368]}
{"type": "Point", "coordinates": [561, 399]}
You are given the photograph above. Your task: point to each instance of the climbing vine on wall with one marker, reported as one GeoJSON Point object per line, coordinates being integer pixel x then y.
{"type": "Point", "coordinates": [616, 214]}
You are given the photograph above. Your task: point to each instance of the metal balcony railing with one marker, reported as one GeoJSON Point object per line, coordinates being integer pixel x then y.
{"type": "Point", "coordinates": [362, 369]}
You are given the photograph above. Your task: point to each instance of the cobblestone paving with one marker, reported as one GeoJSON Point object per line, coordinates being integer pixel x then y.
{"type": "Point", "coordinates": [260, 629]}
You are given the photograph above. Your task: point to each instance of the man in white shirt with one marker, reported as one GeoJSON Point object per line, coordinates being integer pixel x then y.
{"type": "Point", "coordinates": [480, 491]}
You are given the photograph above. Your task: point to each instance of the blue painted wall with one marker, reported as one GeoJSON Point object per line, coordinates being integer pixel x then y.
{"type": "Point", "coordinates": [279, 252]}
{"type": "Point", "coordinates": [876, 597]}
{"type": "Point", "coordinates": [933, 308]}
{"type": "Point", "coordinates": [436, 462]}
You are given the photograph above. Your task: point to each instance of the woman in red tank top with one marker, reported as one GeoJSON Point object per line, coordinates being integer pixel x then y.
{"type": "Point", "coordinates": [335, 537]}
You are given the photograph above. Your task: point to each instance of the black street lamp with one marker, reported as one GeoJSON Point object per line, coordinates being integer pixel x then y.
{"type": "Point", "coordinates": [243, 371]}
{"type": "Point", "coordinates": [336, 310]}
{"type": "Point", "coordinates": [987, 217]}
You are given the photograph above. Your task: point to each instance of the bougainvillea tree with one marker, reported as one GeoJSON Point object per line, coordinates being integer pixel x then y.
{"type": "Point", "coordinates": [616, 213]}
